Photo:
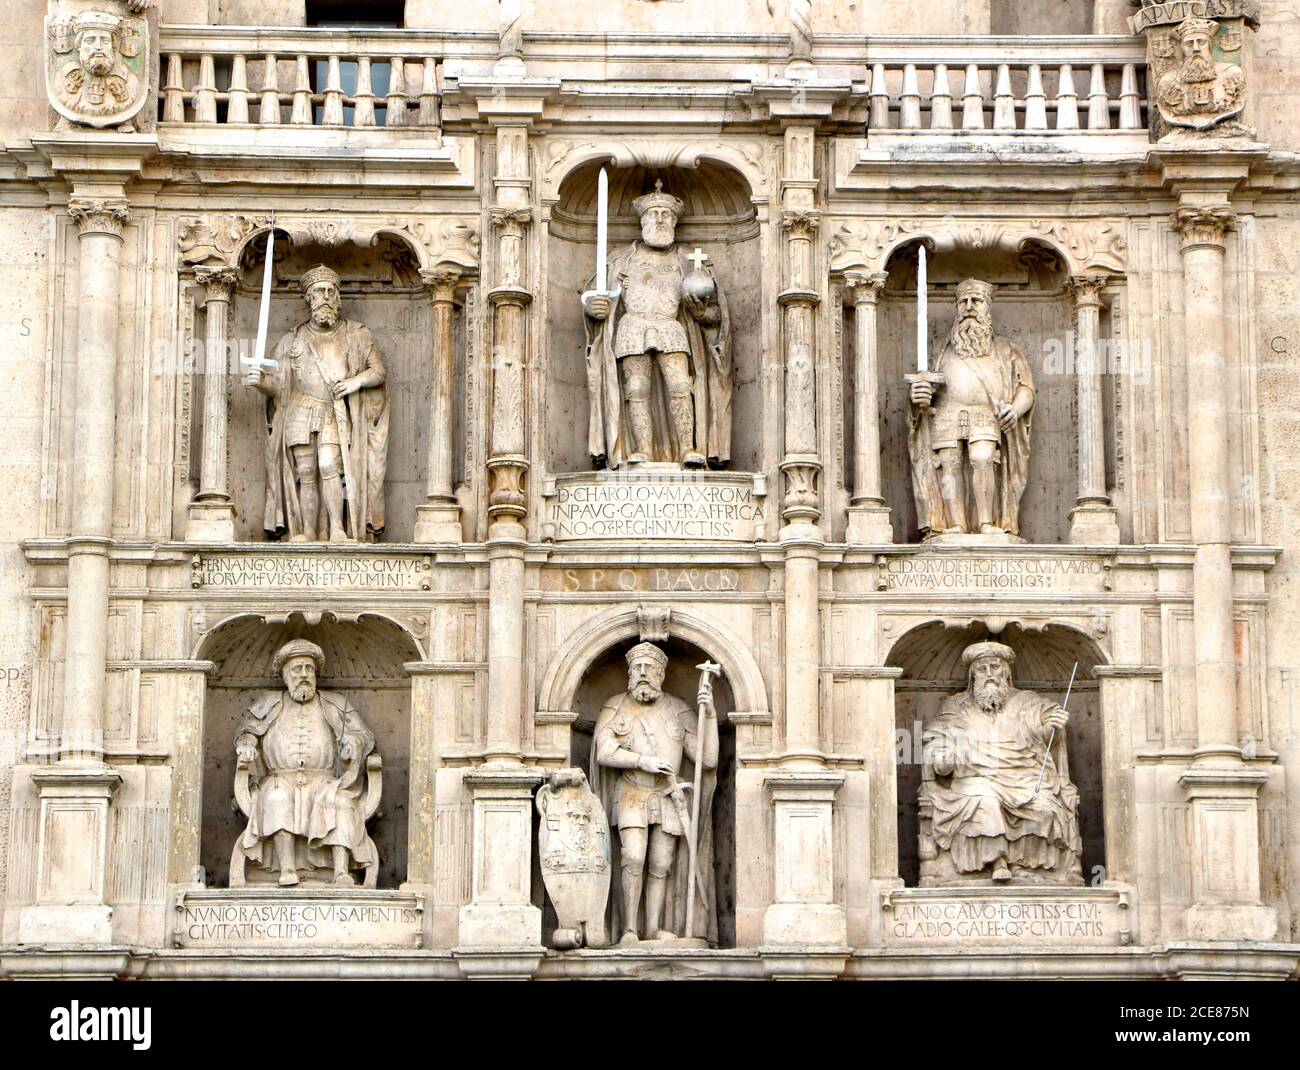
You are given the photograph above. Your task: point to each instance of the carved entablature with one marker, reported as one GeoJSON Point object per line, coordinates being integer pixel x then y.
{"type": "Point", "coordinates": [97, 65]}
{"type": "Point", "coordinates": [1198, 72]}
{"type": "Point", "coordinates": [217, 239]}
{"type": "Point", "coordinates": [1089, 247]}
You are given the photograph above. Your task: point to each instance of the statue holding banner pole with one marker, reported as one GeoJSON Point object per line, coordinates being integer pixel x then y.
{"type": "Point", "coordinates": [659, 372]}
{"type": "Point", "coordinates": [649, 752]}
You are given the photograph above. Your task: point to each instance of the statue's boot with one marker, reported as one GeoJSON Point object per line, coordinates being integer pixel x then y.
{"type": "Point", "coordinates": [288, 878]}
{"type": "Point", "coordinates": [984, 483]}
{"type": "Point", "coordinates": [683, 412]}
{"type": "Point", "coordinates": [332, 492]}
{"type": "Point", "coordinates": [341, 874]}
{"type": "Point", "coordinates": [638, 415]}
{"type": "Point", "coordinates": [284, 859]}
{"type": "Point", "coordinates": [632, 879]}
{"type": "Point", "coordinates": [1000, 872]}
{"type": "Point", "coordinates": [655, 889]}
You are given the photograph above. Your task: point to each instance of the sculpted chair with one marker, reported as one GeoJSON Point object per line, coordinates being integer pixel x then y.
{"type": "Point", "coordinates": [937, 870]}
{"type": "Point", "coordinates": [365, 799]}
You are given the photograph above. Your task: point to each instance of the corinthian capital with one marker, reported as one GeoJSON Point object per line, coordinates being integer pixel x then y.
{"type": "Point", "coordinates": [1204, 224]}
{"type": "Point", "coordinates": [800, 223]}
{"type": "Point", "coordinates": [1086, 290]}
{"type": "Point", "coordinates": [511, 220]}
{"type": "Point", "coordinates": [99, 216]}
{"type": "Point", "coordinates": [218, 282]}
{"type": "Point", "coordinates": [441, 281]}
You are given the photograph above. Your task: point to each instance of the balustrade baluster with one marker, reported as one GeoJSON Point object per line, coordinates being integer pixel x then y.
{"type": "Point", "coordinates": [429, 115]}
{"type": "Point", "coordinates": [237, 99]}
{"type": "Point", "coordinates": [1035, 100]}
{"type": "Point", "coordinates": [365, 98]}
{"type": "Point", "coordinates": [1098, 102]}
{"type": "Point", "coordinates": [941, 100]}
{"type": "Point", "coordinates": [174, 91]}
{"type": "Point", "coordinates": [1130, 104]}
{"type": "Point", "coordinates": [205, 91]}
{"type": "Point", "coordinates": [268, 111]}
{"type": "Point", "coordinates": [301, 113]}
{"type": "Point", "coordinates": [879, 114]}
{"type": "Point", "coordinates": [1067, 100]}
{"type": "Point", "coordinates": [1004, 104]}
{"type": "Point", "coordinates": [395, 110]}
{"type": "Point", "coordinates": [972, 105]}
{"type": "Point", "coordinates": [909, 101]}
{"type": "Point", "coordinates": [332, 113]}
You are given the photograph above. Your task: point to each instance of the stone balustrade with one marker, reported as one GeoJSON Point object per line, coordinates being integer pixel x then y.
{"type": "Point", "coordinates": [1022, 86]}
{"type": "Point", "coordinates": [302, 77]}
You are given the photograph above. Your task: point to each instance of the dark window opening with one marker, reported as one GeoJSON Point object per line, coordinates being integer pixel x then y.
{"type": "Point", "coordinates": [351, 15]}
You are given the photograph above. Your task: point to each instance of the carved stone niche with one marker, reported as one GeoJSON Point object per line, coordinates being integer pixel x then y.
{"type": "Point", "coordinates": [381, 287]}
{"type": "Point", "coordinates": [1033, 308]}
{"type": "Point", "coordinates": [608, 677]}
{"type": "Point", "coordinates": [717, 217]}
{"type": "Point", "coordinates": [930, 656]}
{"type": "Point", "coordinates": [363, 662]}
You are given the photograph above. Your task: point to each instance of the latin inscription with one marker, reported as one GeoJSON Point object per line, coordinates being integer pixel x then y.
{"type": "Point", "coordinates": [692, 580]}
{"type": "Point", "coordinates": [387, 572]}
{"type": "Point", "coordinates": [926, 572]}
{"type": "Point", "coordinates": [309, 924]}
{"type": "Point", "coordinates": [666, 507]}
{"type": "Point", "coordinates": [1060, 920]}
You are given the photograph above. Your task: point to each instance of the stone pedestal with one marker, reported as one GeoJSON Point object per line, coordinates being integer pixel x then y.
{"type": "Point", "coordinates": [1225, 854]}
{"type": "Point", "coordinates": [71, 860]}
{"type": "Point", "coordinates": [500, 913]}
{"type": "Point", "coordinates": [804, 911]}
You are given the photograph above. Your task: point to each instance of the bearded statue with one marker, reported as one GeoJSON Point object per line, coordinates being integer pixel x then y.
{"type": "Point", "coordinates": [969, 433]}
{"type": "Point", "coordinates": [996, 802]}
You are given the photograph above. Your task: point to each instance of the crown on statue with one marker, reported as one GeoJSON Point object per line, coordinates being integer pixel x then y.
{"type": "Point", "coordinates": [659, 199]}
{"type": "Point", "coordinates": [96, 20]}
{"type": "Point", "coordinates": [317, 275]}
{"type": "Point", "coordinates": [985, 650]}
{"type": "Point", "coordinates": [975, 286]}
{"type": "Point", "coordinates": [299, 648]}
{"type": "Point", "coordinates": [647, 650]}
{"type": "Point", "coordinates": [1204, 27]}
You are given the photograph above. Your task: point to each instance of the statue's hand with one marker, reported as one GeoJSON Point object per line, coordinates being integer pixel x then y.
{"type": "Point", "coordinates": [246, 755]}
{"type": "Point", "coordinates": [1057, 718]}
{"type": "Point", "coordinates": [922, 394]}
{"type": "Point", "coordinates": [344, 387]}
{"type": "Point", "coordinates": [254, 376]}
{"type": "Point", "coordinates": [651, 764]}
{"type": "Point", "coordinates": [597, 307]}
{"type": "Point", "coordinates": [694, 306]}
{"type": "Point", "coordinates": [347, 749]}
{"type": "Point", "coordinates": [705, 699]}
{"type": "Point", "coordinates": [1008, 417]}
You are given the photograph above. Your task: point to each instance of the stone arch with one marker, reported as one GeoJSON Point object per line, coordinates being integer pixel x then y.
{"type": "Point", "coordinates": [929, 653]}
{"type": "Point", "coordinates": [586, 646]}
{"type": "Point", "coordinates": [744, 158]}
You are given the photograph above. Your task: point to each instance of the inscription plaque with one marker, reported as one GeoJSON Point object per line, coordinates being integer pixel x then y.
{"type": "Point", "coordinates": [669, 504]}
{"type": "Point", "coordinates": [386, 572]}
{"type": "Point", "coordinates": [298, 918]}
{"type": "Point", "coordinates": [1015, 916]}
{"type": "Point", "coordinates": [947, 572]}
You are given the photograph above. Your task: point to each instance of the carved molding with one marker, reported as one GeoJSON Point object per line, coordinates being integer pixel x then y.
{"type": "Point", "coordinates": [563, 157]}
{"type": "Point", "coordinates": [219, 239]}
{"type": "Point", "coordinates": [1089, 246]}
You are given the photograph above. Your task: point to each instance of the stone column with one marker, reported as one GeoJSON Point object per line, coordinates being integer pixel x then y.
{"type": "Point", "coordinates": [804, 912]}
{"type": "Point", "coordinates": [75, 792]}
{"type": "Point", "coordinates": [211, 514]}
{"type": "Point", "coordinates": [1093, 519]}
{"type": "Point", "coordinates": [868, 513]}
{"type": "Point", "coordinates": [1222, 788]}
{"type": "Point", "coordinates": [499, 914]}
{"type": "Point", "coordinates": [1111, 16]}
{"type": "Point", "coordinates": [438, 519]}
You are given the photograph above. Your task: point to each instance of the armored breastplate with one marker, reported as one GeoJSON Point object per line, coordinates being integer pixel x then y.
{"type": "Point", "coordinates": [654, 285]}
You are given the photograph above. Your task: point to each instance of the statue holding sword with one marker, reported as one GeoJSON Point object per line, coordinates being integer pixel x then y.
{"type": "Point", "coordinates": [654, 766]}
{"type": "Point", "coordinates": [970, 420]}
{"type": "Point", "coordinates": [327, 447]}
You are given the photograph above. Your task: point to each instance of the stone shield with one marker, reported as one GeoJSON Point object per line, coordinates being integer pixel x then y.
{"type": "Point", "coordinates": [573, 843]}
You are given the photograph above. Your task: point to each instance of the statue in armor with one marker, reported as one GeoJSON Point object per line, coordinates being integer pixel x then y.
{"type": "Point", "coordinates": [664, 323]}
{"type": "Point", "coordinates": [644, 751]}
{"type": "Point", "coordinates": [969, 435]}
{"type": "Point", "coordinates": [328, 424]}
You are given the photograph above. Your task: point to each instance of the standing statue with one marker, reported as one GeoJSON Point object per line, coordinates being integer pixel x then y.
{"type": "Point", "coordinates": [996, 802]}
{"type": "Point", "coordinates": [328, 441]}
{"type": "Point", "coordinates": [664, 312]}
{"type": "Point", "coordinates": [980, 398]}
{"type": "Point", "coordinates": [643, 755]}
{"type": "Point", "coordinates": [321, 779]}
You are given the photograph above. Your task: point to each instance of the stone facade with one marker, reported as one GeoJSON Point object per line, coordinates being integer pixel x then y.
{"type": "Point", "coordinates": [788, 216]}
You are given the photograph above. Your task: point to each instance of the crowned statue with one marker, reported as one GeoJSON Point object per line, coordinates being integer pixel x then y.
{"type": "Point", "coordinates": [659, 371]}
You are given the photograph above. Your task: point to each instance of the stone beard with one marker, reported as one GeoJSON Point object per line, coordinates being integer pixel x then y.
{"type": "Point", "coordinates": [643, 756]}
{"type": "Point", "coordinates": [969, 435]}
{"type": "Point", "coordinates": [982, 819]}
{"type": "Point", "coordinates": [659, 373]}
{"type": "Point", "coordinates": [327, 446]}
{"type": "Point", "coordinates": [307, 812]}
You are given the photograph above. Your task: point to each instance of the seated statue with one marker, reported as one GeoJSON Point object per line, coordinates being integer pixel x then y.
{"type": "Point", "coordinates": [320, 779]}
{"type": "Point", "coordinates": [984, 815]}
